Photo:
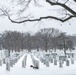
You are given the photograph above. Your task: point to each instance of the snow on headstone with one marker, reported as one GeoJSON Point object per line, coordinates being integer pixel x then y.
{"type": "Point", "coordinates": [8, 66]}
{"type": "Point", "coordinates": [11, 63]}
{"type": "Point", "coordinates": [36, 64]}
{"type": "Point", "coordinates": [72, 61]}
{"type": "Point", "coordinates": [7, 53]}
{"type": "Point", "coordinates": [47, 56]}
{"type": "Point", "coordinates": [42, 60]}
{"type": "Point", "coordinates": [67, 62]}
{"type": "Point", "coordinates": [18, 57]}
{"type": "Point", "coordinates": [25, 58]}
{"type": "Point", "coordinates": [51, 60]}
{"type": "Point", "coordinates": [62, 58]}
{"type": "Point", "coordinates": [1, 62]}
{"type": "Point", "coordinates": [15, 60]}
{"type": "Point", "coordinates": [23, 63]}
{"type": "Point", "coordinates": [54, 55]}
{"type": "Point", "coordinates": [60, 63]}
{"type": "Point", "coordinates": [55, 62]}
{"type": "Point", "coordinates": [47, 63]}
{"type": "Point", "coordinates": [70, 55]}
{"type": "Point", "coordinates": [4, 60]}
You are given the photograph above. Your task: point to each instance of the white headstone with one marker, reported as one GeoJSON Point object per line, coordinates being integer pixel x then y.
{"type": "Point", "coordinates": [8, 65]}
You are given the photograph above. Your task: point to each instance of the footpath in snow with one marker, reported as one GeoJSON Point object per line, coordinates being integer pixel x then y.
{"type": "Point", "coordinates": [43, 70]}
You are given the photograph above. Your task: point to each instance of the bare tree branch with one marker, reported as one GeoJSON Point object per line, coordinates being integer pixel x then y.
{"type": "Point", "coordinates": [62, 5]}
{"type": "Point", "coordinates": [52, 3]}
{"type": "Point", "coordinates": [41, 18]}
{"type": "Point", "coordinates": [66, 1]}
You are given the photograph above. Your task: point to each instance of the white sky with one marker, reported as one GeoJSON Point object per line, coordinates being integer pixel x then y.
{"type": "Point", "coordinates": [5, 24]}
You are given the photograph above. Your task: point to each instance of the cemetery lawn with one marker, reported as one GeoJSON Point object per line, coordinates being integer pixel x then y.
{"type": "Point", "coordinates": [43, 70]}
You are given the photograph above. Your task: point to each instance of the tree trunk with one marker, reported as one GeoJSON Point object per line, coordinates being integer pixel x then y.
{"type": "Point", "coordinates": [65, 52]}
{"type": "Point", "coordinates": [37, 48]}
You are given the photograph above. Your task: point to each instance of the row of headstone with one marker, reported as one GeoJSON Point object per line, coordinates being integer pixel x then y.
{"type": "Point", "coordinates": [54, 58]}
{"type": "Point", "coordinates": [45, 61]}
{"type": "Point", "coordinates": [70, 55]}
{"type": "Point", "coordinates": [2, 61]}
{"type": "Point", "coordinates": [11, 62]}
{"type": "Point", "coordinates": [61, 63]}
{"type": "Point", "coordinates": [54, 55]}
{"type": "Point", "coordinates": [35, 62]}
{"type": "Point", "coordinates": [66, 60]}
{"type": "Point", "coordinates": [24, 61]}
{"type": "Point", "coordinates": [51, 57]}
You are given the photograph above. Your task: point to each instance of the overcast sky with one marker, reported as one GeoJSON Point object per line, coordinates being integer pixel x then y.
{"type": "Point", "coordinates": [5, 24]}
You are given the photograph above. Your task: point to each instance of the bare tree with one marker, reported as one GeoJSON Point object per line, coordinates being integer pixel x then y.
{"type": "Point", "coordinates": [63, 42]}
{"type": "Point", "coordinates": [45, 38]}
{"type": "Point", "coordinates": [70, 45]}
{"type": "Point", "coordinates": [12, 40]}
{"type": "Point", "coordinates": [36, 41]}
{"type": "Point", "coordinates": [55, 38]}
{"type": "Point", "coordinates": [28, 41]}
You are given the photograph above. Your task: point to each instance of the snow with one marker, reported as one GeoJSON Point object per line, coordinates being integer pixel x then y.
{"type": "Point", "coordinates": [43, 70]}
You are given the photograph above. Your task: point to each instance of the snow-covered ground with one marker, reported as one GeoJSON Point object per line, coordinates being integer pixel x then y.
{"type": "Point", "coordinates": [43, 70]}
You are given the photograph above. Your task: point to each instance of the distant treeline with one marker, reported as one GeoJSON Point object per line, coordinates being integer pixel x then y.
{"type": "Point", "coordinates": [45, 39]}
